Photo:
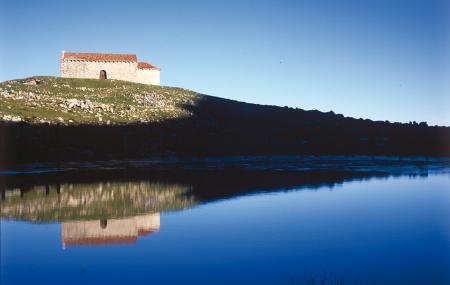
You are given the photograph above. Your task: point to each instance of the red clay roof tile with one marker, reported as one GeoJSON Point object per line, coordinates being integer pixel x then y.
{"type": "Point", "coordinates": [146, 65]}
{"type": "Point", "coordinates": [100, 56]}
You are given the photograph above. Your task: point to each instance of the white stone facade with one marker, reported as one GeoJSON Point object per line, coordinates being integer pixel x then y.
{"type": "Point", "coordinates": [120, 67]}
{"type": "Point", "coordinates": [148, 76]}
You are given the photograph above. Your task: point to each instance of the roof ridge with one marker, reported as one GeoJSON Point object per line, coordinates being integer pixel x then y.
{"type": "Point", "coordinates": [100, 56]}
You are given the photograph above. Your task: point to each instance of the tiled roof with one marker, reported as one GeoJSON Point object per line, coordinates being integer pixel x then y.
{"type": "Point", "coordinates": [145, 65]}
{"type": "Point", "coordinates": [100, 56]}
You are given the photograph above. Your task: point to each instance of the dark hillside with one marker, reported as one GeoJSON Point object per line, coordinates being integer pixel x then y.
{"type": "Point", "coordinates": [139, 121]}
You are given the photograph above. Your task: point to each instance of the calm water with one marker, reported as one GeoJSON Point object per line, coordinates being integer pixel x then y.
{"type": "Point", "coordinates": [243, 225]}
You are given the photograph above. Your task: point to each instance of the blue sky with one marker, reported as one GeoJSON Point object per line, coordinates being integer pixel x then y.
{"type": "Point", "coordinates": [379, 59]}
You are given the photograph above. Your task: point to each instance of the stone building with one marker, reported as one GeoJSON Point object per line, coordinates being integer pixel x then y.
{"type": "Point", "coordinates": [108, 66]}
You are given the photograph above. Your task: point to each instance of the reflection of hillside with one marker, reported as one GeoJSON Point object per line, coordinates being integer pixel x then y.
{"type": "Point", "coordinates": [99, 193]}
{"type": "Point", "coordinates": [104, 231]}
{"type": "Point", "coordinates": [100, 200]}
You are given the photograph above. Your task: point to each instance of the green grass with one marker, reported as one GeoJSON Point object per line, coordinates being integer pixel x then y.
{"type": "Point", "coordinates": [44, 102]}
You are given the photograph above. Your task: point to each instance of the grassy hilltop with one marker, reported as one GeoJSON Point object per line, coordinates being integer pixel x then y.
{"type": "Point", "coordinates": [48, 118]}
{"type": "Point", "coordinates": [90, 101]}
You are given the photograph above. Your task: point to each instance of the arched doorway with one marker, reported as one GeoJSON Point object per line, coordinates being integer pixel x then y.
{"type": "Point", "coordinates": [103, 74]}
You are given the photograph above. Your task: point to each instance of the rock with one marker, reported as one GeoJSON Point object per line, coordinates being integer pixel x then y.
{"type": "Point", "coordinates": [12, 118]}
{"type": "Point", "coordinates": [89, 104]}
{"type": "Point", "coordinates": [72, 103]}
{"type": "Point", "coordinates": [33, 82]}
{"type": "Point", "coordinates": [86, 104]}
{"type": "Point", "coordinates": [149, 99]}
{"type": "Point", "coordinates": [104, 107]}
{"type": "Point", "coordinates": [60, 119]}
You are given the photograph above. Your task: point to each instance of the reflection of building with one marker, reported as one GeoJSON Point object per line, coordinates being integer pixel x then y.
{"type": "Point", "coordinates": [93, 232]}
{"type": "Point", "coordinates": [97, 213]}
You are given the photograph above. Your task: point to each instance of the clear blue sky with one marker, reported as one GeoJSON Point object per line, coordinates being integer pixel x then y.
{"type": "Point", "coordinates": [379, 59]}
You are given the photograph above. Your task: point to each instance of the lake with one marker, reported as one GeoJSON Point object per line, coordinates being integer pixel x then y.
{"type": "Point", "coordinates": [244, 220]}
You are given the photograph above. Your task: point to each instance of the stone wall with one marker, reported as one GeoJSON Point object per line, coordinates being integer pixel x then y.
{"type": "Point", "coordinates": [148, 76]}
{"type": "Point", "coordinates": [120, 70]}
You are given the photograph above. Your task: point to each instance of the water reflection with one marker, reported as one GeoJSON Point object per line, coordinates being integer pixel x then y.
{"type": "Point", "coordinates": [94, 232]}
{"type": "Point", "coordinates": [118, 193]}
{"type": "Point", "coordinates": [94, 201]}
{"type": "Point", "coordinates": [378, 227]}
{"type": "Point", "coordinates": [118, 206]}
{"type": "Point", "coordinates": [97, 213]}
{"type": "Point", "coordinates": [41, 199]}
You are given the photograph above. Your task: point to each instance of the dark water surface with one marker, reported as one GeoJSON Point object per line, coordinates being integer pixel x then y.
{"type": "Point", "coordinates": [242, 221]}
